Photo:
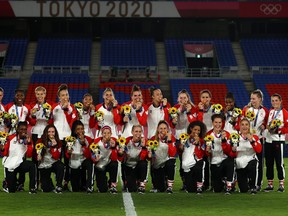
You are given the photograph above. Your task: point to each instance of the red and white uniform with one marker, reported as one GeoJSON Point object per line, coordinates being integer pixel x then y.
{"type": "Point", "coordinates": [52, 154]}
{"type": "Point", "coordinates": [14, 151]}
{"type": "Point", "coordinates": [156, 114]}
{"type": "Point", "coordinates": [63, 119]}
{"type": "Point", "coordinates": [22, 112]}
{"type": "Point", "coordinates": [184, 119]}
{"type": "Point", "coordinates": [260, 119]}
{"type": "Point", "coordinates": [79, 153]}
{"type": "Point", "coordinates": [191, 154]}
{"type": "Point", "coordinates": [283, 128]}
{"type": "Point", "coordinates": [165, 151]}
{"type": "Point", "coordinates": [134, 153]}
{"type": "Point", "coordinates": [87, 120]}
{"type": "Point", "coordinates": [246, 151]}
{"type": "Point", "coordinates": [137, 117]}
{"type": "Point", "coordinates": [39, 120]}
{"type": "Point", "coordinates": [112, 118]}
{"type": "Point", "coordinates": [220, 150]}
{"type": "Point", "coordinates": [106, 153]}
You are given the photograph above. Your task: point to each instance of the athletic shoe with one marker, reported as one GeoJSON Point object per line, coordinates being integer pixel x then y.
{"type": "Point", "coordinates": [199, 190]}
{"type": "Point", "coordinates": [32, 191]}
{"type": "Point", "coordinates": [253, 191]}
{"type": "Point", "coordinates": [113, 190]}
{"type": "Point", "coordinates": [169, 190]}
{"type": "Point", "coordinates": [89, 190]}
{"type": "Point", "coordinates": [153, 190]}
{"type": "Point", "coordinates": [268, 188]}
{"type": "Point", "coordinates": [58, 190]}
{"type": "Point", "coordinates": [281, 189]}
{"type": "Point", "coordinates": [228, 191]}
{"type": "Point", "coordinates": [141, 190]}
{"type": "Point", "coordinates": [258, 188]}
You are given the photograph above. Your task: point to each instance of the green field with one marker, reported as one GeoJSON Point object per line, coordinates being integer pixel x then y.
{"type": "Point", "coordinates": [178, 203]}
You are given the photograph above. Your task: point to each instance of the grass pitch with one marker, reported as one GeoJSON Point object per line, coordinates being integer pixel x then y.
{"type": "Point", "coordinates": [178, 203]}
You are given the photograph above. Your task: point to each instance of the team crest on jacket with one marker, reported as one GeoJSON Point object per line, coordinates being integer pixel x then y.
{"type": "Point", "coordinates": [150, 111]}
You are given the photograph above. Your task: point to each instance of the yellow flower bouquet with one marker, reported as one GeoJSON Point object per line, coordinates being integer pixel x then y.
{"type": "Point", "coordinates": [47, 110]}
{"type": "Point", "coordinates": [209, 140]}
{"type": "Point", "coordinates": [274, 125]}
{"type": "Point", "coordinates": [217, 108]}
{"type": "Point", "coordinates": [39, 147]}
{"type": "Point", "coordinates": [99, 115]}
{"type": "Point", "coordinates": [79, 107]}
{"type": "Point", "coordinates": [70, 140]}
{"type": "Point", "coordinates": [234, 139]}
{"type": "Point", "coordinates": [152, 145]}
{"type": "Point", "coordinates": [183, 138]}
{"type": "Point", "coordinates": [126, 109]}
{"type": "Point", "coordinates": [173, 112]}
{"type": "Point", "coordinates": [94, 147]}
{"type": "Point", "coordinates": [250, 115]}
{"type": "Point", "coordinates": [121, 142]}
{"type": "Point", "coordinates": [3, 137]}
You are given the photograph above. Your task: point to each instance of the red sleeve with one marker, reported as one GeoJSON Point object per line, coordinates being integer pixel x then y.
{"type": "Point", "coordinates": [284, 129]}
{"type": "Point", "coordinates": [55, 152]}
{"type": "Point", "coordinates": [199, 152]}
{"type": "Point", "coordinates": [143, 154]}
{"type": "Point", "coordinates": [71, 115]}
{"type": "Point", "coordinates": [86, 150]}
{"type": "Point", "coordinates": [226, 147]}
{"type": "Point", "coordinates": [266, 117]}
{"type": "Point", "coordinates": [166, 112]}
{"type": "Point", "coordinates": [172, 150]}
{"type": "Point", "coordinates": [116, 115]}
{"type": "Point", "coordinates": [256, 144]}
{"type": "Point", "coordinates": [195, 115]}
{"type": "Point", "coordinates": [142, 115]}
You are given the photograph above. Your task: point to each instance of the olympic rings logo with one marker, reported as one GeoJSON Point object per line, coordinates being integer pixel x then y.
{"type": "Point", "coordinates": [270, 9]}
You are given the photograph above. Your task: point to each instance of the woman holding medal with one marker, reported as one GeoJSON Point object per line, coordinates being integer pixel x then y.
{"type": "Point", "coordinates": [87, 116]}
{"type": "Point", "coordinates": [106, 160]}
{"type": "Point", "coordinates": [157, 110]}
{"type": "Point", "coordinates": [138, 112]}
{"type": "Point", "coordinates": [63, 116]}
{"type": "Point", "coordinates": [163, 158]}
{"type": "Point", "coordinates": [246, 158]}
{"type": "Point", "coordinates": [111, 113]}
{"type": "Point", "coordinates": [232, 113]}
{"type": "Point", "coordinates": [48, 157]}
{"type": "Point", "coordinates": [219, 151]}
{"type": "Point", "coordinates": [80, 163]}
{"type": "Point", "coordinates": [277, 128]}
{"type": "Point", "coordinates": [257, 114]}
{"type": "Point", "coordinates": [19, 109]}
{"type": "Point", "coordinates": [135, 161]}
{"type": "Point", "coordinates": [39, 115]}
{"type": "Point", "coordinates": [193, 151]}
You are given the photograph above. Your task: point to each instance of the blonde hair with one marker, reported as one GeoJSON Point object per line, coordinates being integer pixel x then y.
{"type": "Point", "coordinates": [108, 90]}
{"type": "Point", "coordinates": [40, 88]}
{"type": "Point", "coordinates": [184, 91]}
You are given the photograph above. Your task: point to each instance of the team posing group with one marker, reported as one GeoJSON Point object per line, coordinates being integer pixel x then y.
{"type": "Point", "coordinates": [219, 147]}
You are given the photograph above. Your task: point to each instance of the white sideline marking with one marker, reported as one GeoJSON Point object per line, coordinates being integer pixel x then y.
{"type": "Point", "coordinates": [129, 205]}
